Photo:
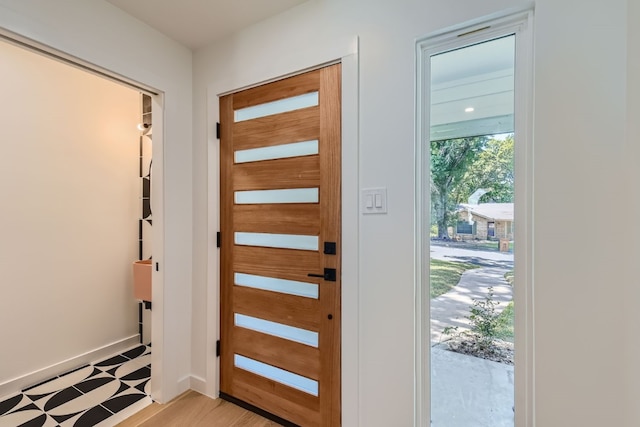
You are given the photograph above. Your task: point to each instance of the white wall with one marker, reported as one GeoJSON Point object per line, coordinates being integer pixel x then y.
{"type": "Point", "coordinates": [99, 33]}
{"type": "Point", "coordinates": [586, 97]}
{"type": "Point", "coordinates": [581, 280]}
{"type": "Point", "coordinates": [387, 32]}
{"type": "Point", "coordinates": [70, 203]}
{"type": "Point", "coordinates": [630, 258]}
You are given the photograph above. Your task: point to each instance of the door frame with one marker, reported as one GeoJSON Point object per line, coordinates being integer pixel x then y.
{"type": "Point", "coordinates": [519, 22]}
{"type": "Point", "coordinates": [345, 52]}
{"type": "Point", "coordinates": [162, 387]}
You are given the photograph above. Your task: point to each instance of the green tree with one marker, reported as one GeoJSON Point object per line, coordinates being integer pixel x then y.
{"type": "Point", "coordinates": [450, 160]}
{"type": "Point", "coordinates": [492, 168]}
{"type": "Point", "coordinates": [461, 166]}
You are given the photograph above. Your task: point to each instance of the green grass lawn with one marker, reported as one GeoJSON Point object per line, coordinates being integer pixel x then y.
{"type": "Point", "coordinates": [509, 276]}
{"type": "Point", "coordinates": [445, 275]}
{"type": "Point", "coordinates": [488, 245]}
{"type": "Point", "coordinates": [505, 331]}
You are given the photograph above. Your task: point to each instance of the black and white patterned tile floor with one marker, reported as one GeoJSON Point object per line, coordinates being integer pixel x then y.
{"type": "Point", "coordinates": [100, 394]}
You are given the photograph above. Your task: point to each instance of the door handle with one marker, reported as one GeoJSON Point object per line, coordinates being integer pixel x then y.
{"type": "Point", "coordinates": [329, 275]}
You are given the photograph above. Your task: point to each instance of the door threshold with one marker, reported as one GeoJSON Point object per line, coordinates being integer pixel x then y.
{"type": "Point", "coordinates": [255, 409]}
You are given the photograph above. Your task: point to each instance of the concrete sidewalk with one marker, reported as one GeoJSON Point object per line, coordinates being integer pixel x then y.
{"type": "Point", "coordinates": [466, 390]}
{"type": "Point", "coordinates": [452, 308]}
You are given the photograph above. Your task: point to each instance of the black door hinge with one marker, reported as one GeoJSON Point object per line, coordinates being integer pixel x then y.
{"type": "Point", "coordinates": [217, 130]}
{"type": "Point", "coordinates": [218, 239]}
{"type": "Point", "coordinates": [218, 348]}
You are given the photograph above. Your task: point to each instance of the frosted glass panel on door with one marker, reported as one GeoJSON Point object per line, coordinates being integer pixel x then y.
{"type": "Point", "coordinates": [282, 151]}
{"type": "Point", "coordinates": [285, 241]}
{"type": "Point", "coordinates": [279, 330]}
{"type": "Point", "coordinates": [291, 287]}
{"type": "Point", "coordinates": [294, 195]}
{"type": "Point", "coordinates": [277, 107]}
{"type": "Point", "coordinates": [276, 374]}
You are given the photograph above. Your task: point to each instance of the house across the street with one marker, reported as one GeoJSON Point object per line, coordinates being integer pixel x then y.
{"type": "Point", "coordinates": [485, 221]}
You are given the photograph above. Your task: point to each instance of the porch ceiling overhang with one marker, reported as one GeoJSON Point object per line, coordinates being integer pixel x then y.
{"type": "Point", "coordinates": [472, 90]}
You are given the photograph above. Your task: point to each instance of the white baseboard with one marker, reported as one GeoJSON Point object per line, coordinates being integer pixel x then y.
{"type": "Point", "coordinates": [15, 385]}
{"type": "Point", "coordinates": [198, 384]}
{"type": "Point", "coordinates": [184, 384]}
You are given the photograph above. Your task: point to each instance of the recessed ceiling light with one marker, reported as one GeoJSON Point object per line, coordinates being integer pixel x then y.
{"type": "Point", "coordinates": [469, 110]}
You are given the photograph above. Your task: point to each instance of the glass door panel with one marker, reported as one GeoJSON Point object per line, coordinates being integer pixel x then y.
{"type": "Point", "coordinates": [472, 187]}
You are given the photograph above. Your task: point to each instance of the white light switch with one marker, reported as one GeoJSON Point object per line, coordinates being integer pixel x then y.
{"type": "Point", "coordinates": [374, 200]}
{"type": "Point", "coordinates": [369, 201]}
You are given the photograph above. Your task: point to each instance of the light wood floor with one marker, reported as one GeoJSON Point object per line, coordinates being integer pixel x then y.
{"type": "Point", "coordinates": [192, 409]}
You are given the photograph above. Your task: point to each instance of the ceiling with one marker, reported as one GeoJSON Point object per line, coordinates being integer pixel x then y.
{"type": "Point", "coordinates": [472, 87]}
{"type": "Point", "coordinates": [196, 23]}
{"type": "Point", "coordinates": [472, 90]}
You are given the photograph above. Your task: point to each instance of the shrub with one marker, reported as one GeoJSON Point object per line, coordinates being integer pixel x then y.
{"type": "Point", "coordinates": [485, 320]}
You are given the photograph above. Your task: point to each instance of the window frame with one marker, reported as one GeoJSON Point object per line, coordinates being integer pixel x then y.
{"type": "Point", "coordinates": [520, 23]}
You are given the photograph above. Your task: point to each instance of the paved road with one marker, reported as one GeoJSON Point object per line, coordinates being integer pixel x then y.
{"type": "Point", "coordinates": [449, 252]}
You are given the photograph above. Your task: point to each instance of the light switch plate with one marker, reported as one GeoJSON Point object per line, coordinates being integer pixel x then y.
{"type": "Point", "coordinates": [373, 200]}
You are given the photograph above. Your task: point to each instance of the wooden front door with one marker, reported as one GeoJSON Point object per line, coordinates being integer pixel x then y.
{"type": "Point", "coordinates": [280, 247]}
